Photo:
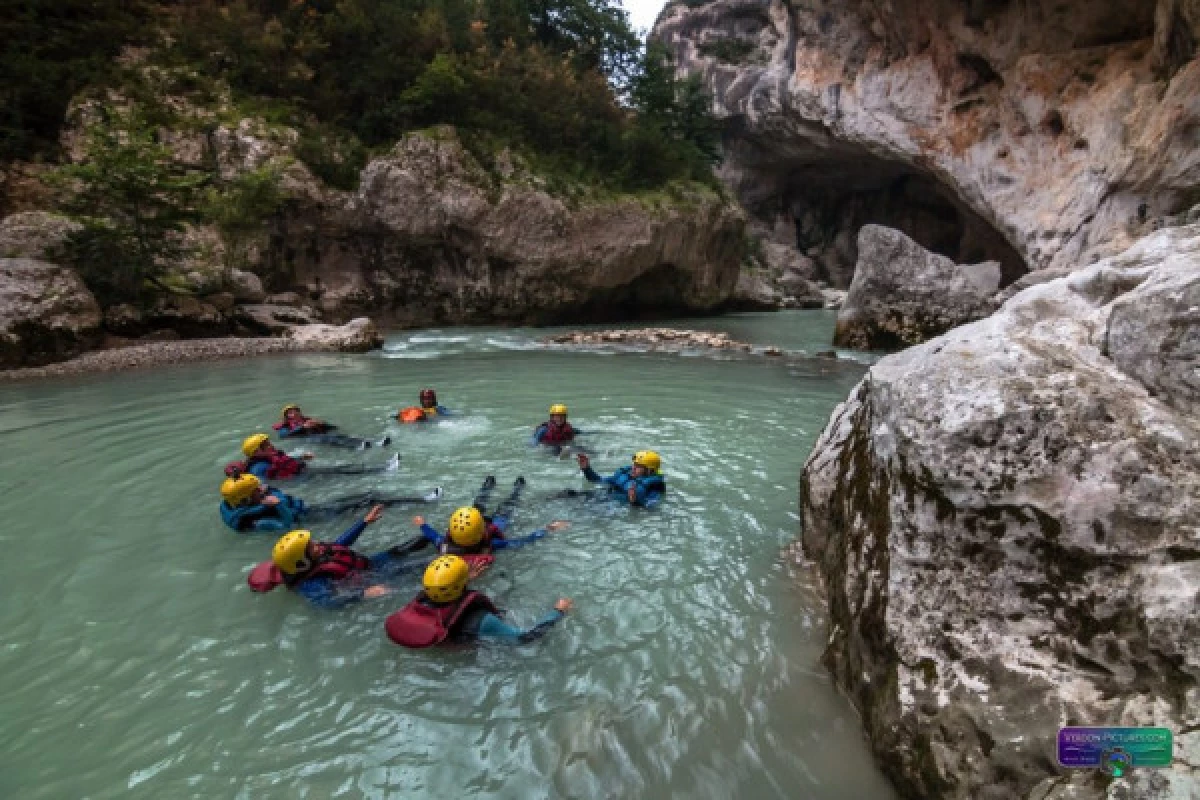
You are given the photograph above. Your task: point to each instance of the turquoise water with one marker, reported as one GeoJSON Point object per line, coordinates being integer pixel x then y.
{"type": "Point", "coordinates": [138, 664]}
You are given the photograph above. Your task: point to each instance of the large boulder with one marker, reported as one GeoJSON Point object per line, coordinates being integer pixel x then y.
{"type": "Point", "coordinates": [46, 313]}
{"type": "Point", "coordinates": [356, 336]}
{"type": "Point", "coordinates": [265, 318]}
{"type": "Point", "coordinates": [902, 294]}
{"type": "Point", "coordinates": [1007, 521]}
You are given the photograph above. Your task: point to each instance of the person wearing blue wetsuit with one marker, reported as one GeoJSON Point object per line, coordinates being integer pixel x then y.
{"type": "Point", "coordinates": [639, 484]}
{"type": "Point", "coordinates": [331, 574]}
{"type": "Point", "coordinates": [447, 611]}
{"type": "Point", "coordinates": [293, 424]}
{"type": "Point", "coordinates": [248, 505]}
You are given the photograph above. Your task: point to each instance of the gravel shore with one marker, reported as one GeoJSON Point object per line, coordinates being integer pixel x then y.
{"type": "Point", "coordinates": [156, 354]}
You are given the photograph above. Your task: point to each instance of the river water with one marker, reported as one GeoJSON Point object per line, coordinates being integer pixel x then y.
{"type": "Point", "coordinates": [137, 664]}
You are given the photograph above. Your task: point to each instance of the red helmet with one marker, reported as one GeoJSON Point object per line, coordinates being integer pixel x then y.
{"type": "Point", "coordinates": [428, 398]}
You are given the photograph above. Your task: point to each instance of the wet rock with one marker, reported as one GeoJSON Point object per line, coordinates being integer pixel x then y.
{"type": "Point", "coordinates": [246, 287]}
{"type": "Point", "coordinates": [190, 316]}
{"type": "Point", "coordinates": [754, 292]}
{"type": "Point", "coordinates": [1006, 519]}
{"type": "Point", "coordinates": [672, 339]}
{"type": "Point", "coordinates": [221, 301]}
{"type": "Point", "coordinates": [35, 234]}
{"type": "Point", "coordinates": [356, 336]}
{"type": "Point", "coordinates": [46, 313]}
{"type": "Point", "coordinates": [902, 294]}
{"type": "Point", "coordinates": [284, 299]}
{"type": "Point", "coordinates": [833, 299]}
{"type": "Point", "coordinates": [274, 319]}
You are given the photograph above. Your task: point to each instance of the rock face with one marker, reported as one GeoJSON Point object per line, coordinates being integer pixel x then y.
{"type": "Point", "coordinates": [431, 237]}
{"type": "Point", "coordinates": [1007, 519]}
{"type": "Point", "coordinates": [46, 313]}
{"type": "Point", "coordinates": [903, 294]}
{"type": "Point", "coordinates": [34, 234]}
{"type": "Point", "coordinates": [1037, 134]}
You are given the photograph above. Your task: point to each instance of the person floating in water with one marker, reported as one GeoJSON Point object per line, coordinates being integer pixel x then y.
{"type": "Point", "coordinates": [331, 574]}
{"type": "Point", "coordinates": [640, 484]}
{"type": "Point", "coordinates": [472, 533]}
{"type": "Point", "coordinates": [248, 505]}
{"type": "Point", "coordinates": [555, 431]}
{"type": "Point", "coordinates": [447, 611]}
{"type": "Point", "coordinates": [427, 410]}
{"type": "Point", "coordinates": [295, 424]}
{"type": "Point", "coordinates": [268, 463]}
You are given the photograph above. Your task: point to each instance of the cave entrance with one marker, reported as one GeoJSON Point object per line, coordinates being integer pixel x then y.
{"type": "Point", "coordinates": [820, 207]}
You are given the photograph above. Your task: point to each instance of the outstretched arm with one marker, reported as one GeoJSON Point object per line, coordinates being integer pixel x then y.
{"type": "Point", "coordinates": [494, 628]}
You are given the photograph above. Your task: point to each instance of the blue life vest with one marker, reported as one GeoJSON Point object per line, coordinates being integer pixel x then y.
{"type": "Point", "coordinates": [623, 478]}
{"type": "Point", "coordinates": [243, 518]}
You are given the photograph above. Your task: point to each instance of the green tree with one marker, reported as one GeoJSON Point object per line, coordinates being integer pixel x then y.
{"type": "Point", "coordinates": [241, 206]}
{"type": "Point", "coordinates": [134, 201]}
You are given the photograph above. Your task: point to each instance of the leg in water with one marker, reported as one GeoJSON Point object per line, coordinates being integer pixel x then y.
{"type": "Point", "coordinates": [358, 502]}
{"type": "Point", "coordinates": [391, 465]}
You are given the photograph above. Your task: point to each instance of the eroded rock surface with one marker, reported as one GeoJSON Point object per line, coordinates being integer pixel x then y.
{"type": "Point", "coordinates": [1036, 134]}
{"type": "Point", "coordinates": [1007, 519]}
{"type": "Point", "coordinates": [46, 313]}
{"type": "Point", "coordinates": [903, 294]}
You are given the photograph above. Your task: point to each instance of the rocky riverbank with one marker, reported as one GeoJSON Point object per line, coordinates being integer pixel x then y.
{"type": "Point", "coordinates": [356, 336]}
{"type": "Point", "coordinates": [430, 237]}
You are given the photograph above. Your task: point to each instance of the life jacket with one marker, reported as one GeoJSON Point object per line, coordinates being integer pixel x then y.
{"type": "Point", "coordinates": [555, 435]}
{"type": "Point", "coordinates": [280, 465]}
{"type": "Point", "coordinates": [430, 411]}
{"type": "Point", "coordinates": [336, 563]}
{"type": "Point", "coordinates": [623, 478]}
{"type": "Point", "coordinates": [411, 414]}
{"type": "Point", "coordinates": [242, 518]}
{"type": "Point", "coordinates": [423, 623]}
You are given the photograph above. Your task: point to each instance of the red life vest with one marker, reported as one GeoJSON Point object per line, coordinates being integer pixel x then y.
{"type": "Point", "coordinates": [337, 563]}
{"type": "Point", "coordinates": [279, 465]}
{"type": "Point", "coordinates": [423, 624]}
{"type": "Point", "coordinates": [557, 435]}
{"type": "Point", "coordinates": [411, 414]}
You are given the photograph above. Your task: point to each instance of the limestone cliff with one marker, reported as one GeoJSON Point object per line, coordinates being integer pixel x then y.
{"type": "Point", "coordinates": [1036, 134]}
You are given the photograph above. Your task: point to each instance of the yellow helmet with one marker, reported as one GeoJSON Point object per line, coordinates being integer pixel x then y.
{"type": "Point", "coordinates": [251, 444]}
{"type": "Point", "coordinates": [238, 490]}
{"type": "Point", "coordinates": [558, 408]}
{"type": "Point", "coordinates": [648, 459]}
{"type": "Point", "coordinates": [291, 552]}
{"type": "Point", "coordinates": [287, 408]}
{"type": "Point", "coordinates": [445, 579]}
{"type": "Point", "coordinates": [466, 526]}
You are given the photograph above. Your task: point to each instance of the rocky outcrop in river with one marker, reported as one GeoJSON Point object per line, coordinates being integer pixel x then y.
{"type": "Point", "coordinates": [902, 294]}
{"type": "Point", "coordinates": [1007, 520]}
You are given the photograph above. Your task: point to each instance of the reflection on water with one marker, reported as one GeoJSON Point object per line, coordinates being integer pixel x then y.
{"type": "Point", "coordinates": [138, 664]}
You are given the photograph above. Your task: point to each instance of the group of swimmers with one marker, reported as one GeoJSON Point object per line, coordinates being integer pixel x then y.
{"type": "Point", "coordinates": [334, 575]}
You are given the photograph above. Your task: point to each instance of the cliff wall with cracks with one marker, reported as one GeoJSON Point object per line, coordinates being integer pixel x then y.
{"type": "Point", "coordinates": [1037, 134]}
